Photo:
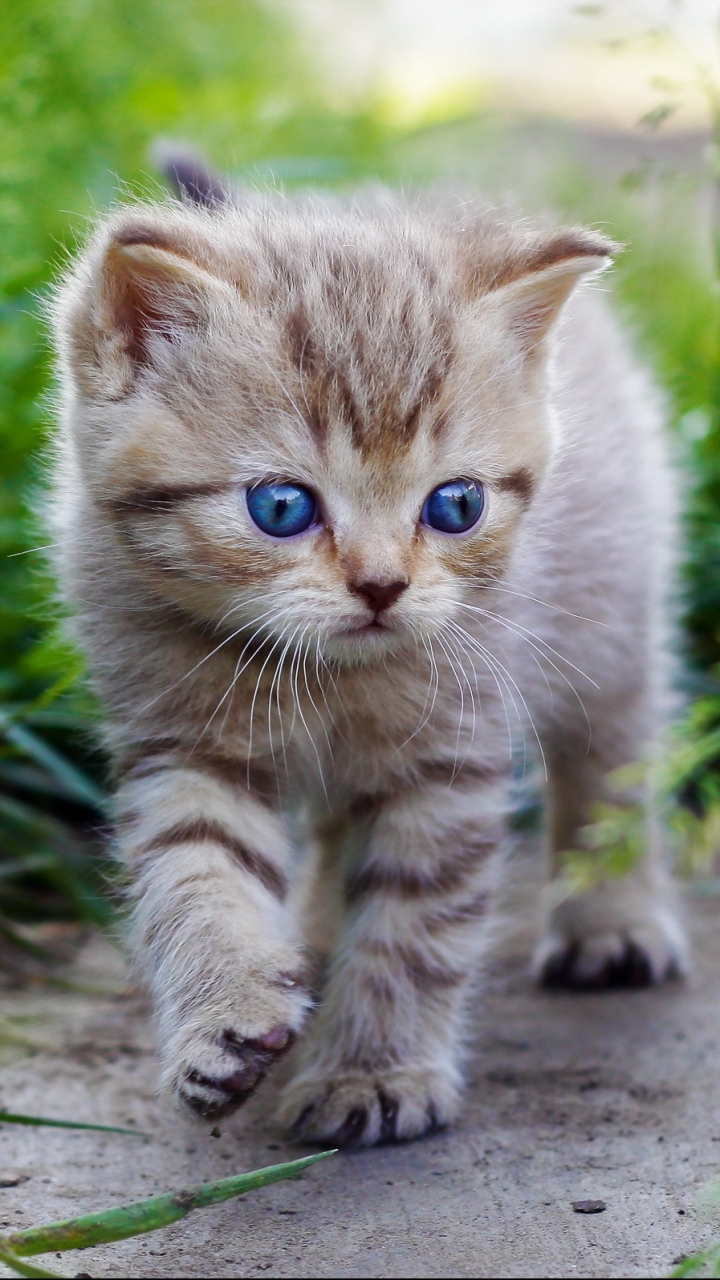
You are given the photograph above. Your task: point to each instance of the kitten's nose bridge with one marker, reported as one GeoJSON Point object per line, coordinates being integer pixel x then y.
{"type": "Point", "coordinates": [379, 595]}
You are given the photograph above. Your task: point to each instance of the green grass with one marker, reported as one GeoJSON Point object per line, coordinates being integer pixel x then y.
{"type": "Point", "coordinates": [14, 1117]}
{"type": "Point", "coordinates": [86, 87]}
{"type": "Point", "coordinates": [136, 1219]}
{"type": "Point", "coordinates": [706, 1262]}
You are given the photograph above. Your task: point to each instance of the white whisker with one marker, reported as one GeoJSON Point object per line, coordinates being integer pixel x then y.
{"type": "Point", "coordinates": [524, 595]}
{"type": "Point", "coordinates": [312, 700]}
{"type": "Point", "coordinates": [206, 658]}
{"type": "Point", "coordinates": [506, 676]}
{"type": "Point", "coordinates": [239, 669]}
{"type": "Point", "coordinates": [275, 684]}
{"type": "Point", "coordinates": [450, 649]}
{"type": "Point", "coordinates": [434, 684]}
{"type": "Point", "coordinates": [254, 700]}
{"type": "Point", "coordinates": [302, 716]}
{"type": "Point", "coordinates": [502, 687]}
{"type": "Point", "coordinates": [523, 633]}
{"type": "Point", "coordinates": [457, 643]}
{"type": "Point", "coordinates": [31, 551]}
{"type": "Point", "coordinates": [321, 686]}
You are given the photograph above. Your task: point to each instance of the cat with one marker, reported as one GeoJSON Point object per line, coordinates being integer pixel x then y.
{"type": "Point", "coordinates": [350, 501]}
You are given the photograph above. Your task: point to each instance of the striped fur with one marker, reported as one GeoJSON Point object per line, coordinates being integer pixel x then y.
{"type": "Point", "coordinates": [289, 776]}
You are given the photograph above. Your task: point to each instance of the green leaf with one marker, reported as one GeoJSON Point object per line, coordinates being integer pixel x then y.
{"type": "Point", "coordinates": [11, 1117]}
{"type": "Point", "coordinates": [71, 777]}
{"type": "Point", "coordinates": [658, 115]}
{"type": "Point", "coordinates": [147, 1215]}
{"type": "Point", "coordinates": [692, 1266]}
{"type": "Point", "coordinates": [23, 1268]}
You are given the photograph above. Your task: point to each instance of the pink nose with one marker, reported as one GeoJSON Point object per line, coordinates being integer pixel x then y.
{"type": "Point", "coordinates": [378, 595]}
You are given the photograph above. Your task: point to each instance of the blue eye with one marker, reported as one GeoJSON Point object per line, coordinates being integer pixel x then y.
{"type": "Point", "coordinates": [454, 507]}
{"type": "Point", "coordinates": [281, 509]}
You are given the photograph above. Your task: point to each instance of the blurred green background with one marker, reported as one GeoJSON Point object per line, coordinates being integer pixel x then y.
{"type": "Point", "coordinates": [86, 87]}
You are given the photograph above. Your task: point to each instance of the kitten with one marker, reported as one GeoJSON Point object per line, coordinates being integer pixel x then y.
{"type": "Point", "coordinates": [338, 527]}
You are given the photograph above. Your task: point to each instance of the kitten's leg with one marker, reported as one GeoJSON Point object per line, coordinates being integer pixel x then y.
{"type": "Point", "coordinates": [625, 931]}
{"type": "Point", "coordinates": [209, 866]}
{"type": "Point", "coordinates": [382, 1060]}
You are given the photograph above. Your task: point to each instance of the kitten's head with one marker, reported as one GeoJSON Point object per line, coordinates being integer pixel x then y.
{"type": "Point", "coordinates": [322, 423]}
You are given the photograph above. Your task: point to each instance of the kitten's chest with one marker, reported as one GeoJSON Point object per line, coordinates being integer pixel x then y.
{"type": "Point", "coordinates": [326, 735]}
{"type": "Point", "coordinates": [364, 728]}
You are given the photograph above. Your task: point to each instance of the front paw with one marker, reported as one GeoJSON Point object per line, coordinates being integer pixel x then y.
{"type": "Point", "coordinates": [216, 1074]}
{"type": "Point", "coordinates": [217, 1053]}
{"type": "Point", "coordinates": [353, 1109]}
{"type": "Point", "coordinates": [587, 954]}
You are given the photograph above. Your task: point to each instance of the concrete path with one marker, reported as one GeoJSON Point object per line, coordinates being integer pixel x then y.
{"type": "Point", "coordinates": [613, 1097]}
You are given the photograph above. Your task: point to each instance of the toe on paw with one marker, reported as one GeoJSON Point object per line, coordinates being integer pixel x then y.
{"type": "Point", "coordinates": [434, 1123]}
{"type": "Point", "coordinates": [212, 1097]}
{"type": "Point", "coordinates": [622, 967]}
{"type": "Point", "coordinates": [242, 1063]}
{"type": "Point", "coordinates": [557, 968]}
{"type": "Point", "coordinates": [349, 1135]}
{"type": "Point", "coordinates": [256, 1054]}
{"type": "Point", "coordinates": [632, 969]}
{"type": "Point", "coordinates": [389, 1108]}
{"type": "Point", "coordinates": [359, 1110]}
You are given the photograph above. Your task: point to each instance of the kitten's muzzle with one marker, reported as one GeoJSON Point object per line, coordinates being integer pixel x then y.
{"type": "Point", "coordinates": [379, 596]}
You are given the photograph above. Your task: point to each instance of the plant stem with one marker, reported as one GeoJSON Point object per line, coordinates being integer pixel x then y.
{"type": "Point", "coordinates": [145, 1215]}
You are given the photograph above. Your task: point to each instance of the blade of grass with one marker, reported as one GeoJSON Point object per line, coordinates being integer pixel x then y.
{"type": "Point", "coordinates": [24, 866]}
{"type": "Point", "coordinates": [71, 858]}
{"type": "Point", "coordinates": [10, 1035]}
{"type": "Point", "coordinates": [24, 1268]}
{"type": "Point", "coordinates": [27, 778]}
{"type": "Point", "coordinates": [82, 787]}
{"type": "Point", "coordinates": [23, 944]}
{"type": "Point", "coordinates": [698, 1263]}
{"type": "Point", "coordinates": [10, 1117]}
{"type": "Point", "coordinates": [146, 1215]}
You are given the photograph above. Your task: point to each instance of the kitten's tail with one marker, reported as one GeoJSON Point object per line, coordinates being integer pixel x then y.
{"type": "Point", "coordinates": [189, 176]}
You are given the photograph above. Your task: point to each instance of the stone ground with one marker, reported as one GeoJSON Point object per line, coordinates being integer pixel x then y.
{"type": "Point", "coordinates": [614, 1097]}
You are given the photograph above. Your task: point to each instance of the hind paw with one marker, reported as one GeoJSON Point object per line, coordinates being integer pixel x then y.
{"type": "Point", "coordinates": [635, 956]}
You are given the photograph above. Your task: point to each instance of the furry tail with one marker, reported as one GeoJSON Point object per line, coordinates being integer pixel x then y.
{"type": "Point", "coordinates": [189, 176]}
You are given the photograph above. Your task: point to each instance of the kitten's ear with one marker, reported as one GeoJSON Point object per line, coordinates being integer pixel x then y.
{"type": "Point", "coordinates": [190, 178]}
{"type": "Point", "coordinates": [531, 299]}
{"type": "Point", "coordinates": [141, 285]}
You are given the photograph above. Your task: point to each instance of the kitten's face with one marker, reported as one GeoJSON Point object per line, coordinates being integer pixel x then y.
{"type": "Point", "coordinates": [316, 429]}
